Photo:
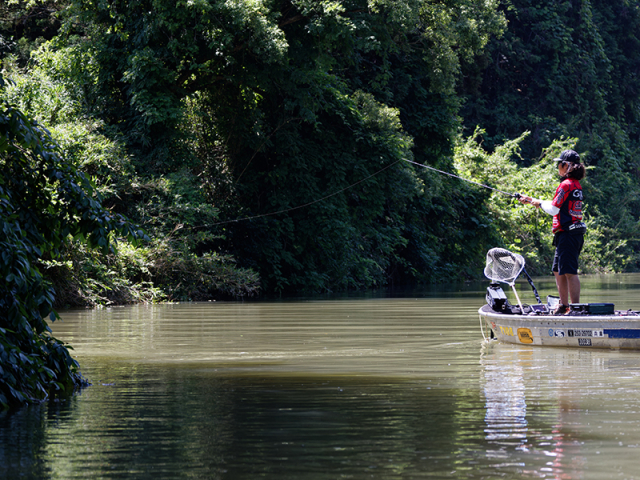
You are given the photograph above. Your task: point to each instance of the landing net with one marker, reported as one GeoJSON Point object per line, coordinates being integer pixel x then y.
{"type": "Point", "coordinates": [503, 266]}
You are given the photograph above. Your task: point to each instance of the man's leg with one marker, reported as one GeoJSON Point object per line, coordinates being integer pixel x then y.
{"type": "Point", "coordinates": [563, 288]}
{"type": "Point", "coordinates": [568, 287]}
{"type": "Point", "coordinates": [574, 287]}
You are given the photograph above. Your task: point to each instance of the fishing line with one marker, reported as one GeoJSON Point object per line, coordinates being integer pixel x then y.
{"type": "Point", "coordinates": [285, 210]}
{"type": "Point", "coordinates": [253, 217]}
{"type": "Point", "coordinates": [516, 195]}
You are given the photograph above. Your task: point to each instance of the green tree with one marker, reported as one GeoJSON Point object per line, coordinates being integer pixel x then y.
{"type": "Point", "coordinates": [56, 91]}
{"type": "Point", "coordinates": [43, 202]}
{"type": "Point", "coordinates": [526, 230]}
{"type": "Point", "coordinates": [568, 70]}
{"type": "Point", "coordinates": [276, 104]}
{"type": "Point", "coordinates": [25, 24]}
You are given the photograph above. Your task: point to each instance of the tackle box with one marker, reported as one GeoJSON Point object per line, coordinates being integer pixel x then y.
{"type": "Point", "coordinates": [593, 308]}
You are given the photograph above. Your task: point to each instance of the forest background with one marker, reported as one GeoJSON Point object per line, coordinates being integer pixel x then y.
{"type": "Point", "coordinates": [265, 145]}
{"type": "Point", "coordinates": [156, 150]}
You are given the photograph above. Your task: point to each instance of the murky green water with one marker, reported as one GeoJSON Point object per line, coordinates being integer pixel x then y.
{"type": "Point", "coordinates": [397, 387]}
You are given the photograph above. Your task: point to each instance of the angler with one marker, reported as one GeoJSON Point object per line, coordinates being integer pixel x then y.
{"type": "Point", "coordinates": [568, 227]}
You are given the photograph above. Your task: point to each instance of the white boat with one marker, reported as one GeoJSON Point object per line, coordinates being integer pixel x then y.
{"type": "Point", "coordinates": [595, 325]}
{"type": "Point", "coordinates": [619, 330]}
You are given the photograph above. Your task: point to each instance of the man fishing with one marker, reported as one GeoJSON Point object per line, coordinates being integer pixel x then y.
{"type": "Point", "coordinates": [568, 227]}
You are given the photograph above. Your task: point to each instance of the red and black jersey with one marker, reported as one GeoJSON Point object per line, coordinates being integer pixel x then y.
{"type": "Point", "coordinates": [568, 199]}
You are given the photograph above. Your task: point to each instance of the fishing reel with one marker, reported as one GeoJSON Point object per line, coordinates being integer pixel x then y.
{"type": "Point", "coordinates": [518, 196]}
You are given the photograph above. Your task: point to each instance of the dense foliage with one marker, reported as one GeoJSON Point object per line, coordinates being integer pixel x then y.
{"type": "Point", "coordinates": [43, 201]}
{"type": "Point", "coordinates": [191, 118]}
{"type": "Point", "coordinates": [276, 146]}
{"type": "Point", "coordinates": [278, 104]}
{"type": "Point", "coordinates": [568, 72]}
{"type": "Point", "coordinates": [250, 108]}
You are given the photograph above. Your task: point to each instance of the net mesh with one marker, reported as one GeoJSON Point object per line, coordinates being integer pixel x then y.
{"type": "Point", "coordinates": [503, 266]}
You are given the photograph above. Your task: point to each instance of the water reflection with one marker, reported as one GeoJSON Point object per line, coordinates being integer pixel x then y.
{"type": "Point", "coordinates": [512, 441]}
{"type": "Point", "coordinates": [355, 388]}
{"type": "Point", "coordinates": [150, 426]}
{"type": "Point", "coordinates": [506, 403]}
{"type": "Point", "coordinates": [561, 413]}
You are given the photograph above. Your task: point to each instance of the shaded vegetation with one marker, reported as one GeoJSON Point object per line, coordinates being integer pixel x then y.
{"type": "Point", "coordinates": [43, 201]}
{"type": "Point", "coordinates": [275, 145]}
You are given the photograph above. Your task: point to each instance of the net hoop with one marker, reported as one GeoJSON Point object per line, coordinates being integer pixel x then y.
{"type": "Point", "coordinates": [503, 266]}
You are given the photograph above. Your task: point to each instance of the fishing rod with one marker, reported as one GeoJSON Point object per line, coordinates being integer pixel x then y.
{"type": "Point", "coordinates": [513, 195]}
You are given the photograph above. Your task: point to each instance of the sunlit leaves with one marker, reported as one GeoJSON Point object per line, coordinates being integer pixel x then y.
{"type": "Point", "coordinates": [456, 32]}
{"type": "Point", "coordinates": [527, 230]}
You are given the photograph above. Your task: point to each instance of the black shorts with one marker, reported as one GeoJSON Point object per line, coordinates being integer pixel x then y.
{"type": "Point", "coordinates": [568, 248]}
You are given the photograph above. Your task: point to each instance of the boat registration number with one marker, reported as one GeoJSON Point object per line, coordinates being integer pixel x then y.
{"type": "Point", "coordinates": [585, 333]}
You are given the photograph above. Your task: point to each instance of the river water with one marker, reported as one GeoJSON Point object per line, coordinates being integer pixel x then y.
{"type": "Point", "coordinates": [382, 386]}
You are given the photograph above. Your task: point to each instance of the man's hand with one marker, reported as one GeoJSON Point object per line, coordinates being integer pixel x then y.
{"type": "Point", "coordinates": [533, 201]}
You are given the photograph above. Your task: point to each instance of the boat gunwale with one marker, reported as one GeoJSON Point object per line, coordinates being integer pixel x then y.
{"type": "Point", "coordinates": [591, 331]}
{"type": "Point", "coordinates": [487, 311]}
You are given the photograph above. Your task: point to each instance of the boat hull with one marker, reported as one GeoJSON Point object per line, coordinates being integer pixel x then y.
{"type": "Point", "coordinates": [581, 331]}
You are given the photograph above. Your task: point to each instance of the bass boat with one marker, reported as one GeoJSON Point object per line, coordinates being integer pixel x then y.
{"type": "Point", "coordinates": [586, 325]}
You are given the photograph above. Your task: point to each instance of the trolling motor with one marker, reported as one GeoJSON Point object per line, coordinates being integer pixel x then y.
{"type": "Point", "coordinates": [496, 297]}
